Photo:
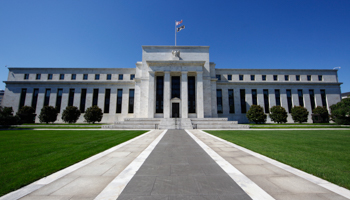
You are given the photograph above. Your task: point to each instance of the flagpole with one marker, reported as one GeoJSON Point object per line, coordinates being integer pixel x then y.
{"type": "Point", "coordinates": [175, 32]}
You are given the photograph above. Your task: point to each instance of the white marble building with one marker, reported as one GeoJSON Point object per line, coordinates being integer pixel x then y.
{"type": "Point", "coordinates": [171, 81]}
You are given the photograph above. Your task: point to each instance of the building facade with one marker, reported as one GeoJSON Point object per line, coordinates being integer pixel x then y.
{"type": "Point", "coordinates": [171, 82]}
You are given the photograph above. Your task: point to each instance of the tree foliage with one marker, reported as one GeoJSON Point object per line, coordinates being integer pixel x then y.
{"type": "Point", "coordinates": [340, 112]}
{"type": "Point", "coordinates": [320, 115]}
{"type": "Point", "coordinates": [299, 114]}
{"type": "Point", "coordinates": [93, 114]}
{"type": "Point", "coordinates": [7, 118]}
{"type": "Point", "coordinates": [71, 114]}
{"type": "Point", "coordinates": [278, 114]}
{"type": "Point", "coordinates": [27, 114]}
{"type": "Point", "coordinates": [48, 114]}
{"type": "Point", "coordinates": [256, 114]}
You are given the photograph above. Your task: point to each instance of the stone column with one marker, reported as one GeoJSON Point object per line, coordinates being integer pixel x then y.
{"type": "Point", "coordinates": [151, 96]}
{"type": "Point", "coordinates": [184, 94]}
{"type": "Point", "coordinates": [199, 97]}
{"type": "Point", "coordinates": [166, 97]}
{"type": "Point", "coordinates": [272, 97]}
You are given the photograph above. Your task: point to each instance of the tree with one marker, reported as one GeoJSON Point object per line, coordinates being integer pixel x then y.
{"type": "Point", "coordinates": [71, 114]}
{"type": "Point", "coordinates": [27, 114]}
{"type": "Point", "coordinates": [320, 115]}
{"type": "Point", "coordinates": [340, 112]}
{"type": "Point", "coordinates": [278, 114]}
{"type": "Point", "coordinates": [256, 114]}
{"type": "Point", "coordinates": [299, 114]}
{"type": "Point", "coordinates": [48, 114]}
{"type": "Point", "coordinates": [6, 116]}
{"type": "Point", "coordinates": [93, 114]}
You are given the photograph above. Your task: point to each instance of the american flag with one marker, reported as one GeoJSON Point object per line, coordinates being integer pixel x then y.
{"type": "Point", "coordinates": [178, 23]}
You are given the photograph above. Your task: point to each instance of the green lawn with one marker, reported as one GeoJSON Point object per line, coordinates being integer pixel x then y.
{"type": "Point", "coordinates": [294, 127]}
{"type": "Point", "coordinates": [28, 155]}
{"type": "Point", "coordinates": [323, 153]}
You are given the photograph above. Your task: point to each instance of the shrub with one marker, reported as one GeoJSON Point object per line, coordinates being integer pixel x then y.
{"type": "Point", "coordinates": [256, 114]}
{"type": "Point", "coordinates": [278, 114]}
{"type": "Point", "coordinates": [27, 114]}
{"type": "Point", "coordinates": [320, 115]}
{"type": "Point", "coordinates": [6, 116]}
{"type": "Point", "coordinates": [93, 114]}
{"type": "Point", "coordinates": [48, 114]}
{"type": "Point", "coordinates": [299, 114]}
{"type": "Point", "coordinates": [340, 112]}
{"type": "Point", "coordinates": [71, 114]}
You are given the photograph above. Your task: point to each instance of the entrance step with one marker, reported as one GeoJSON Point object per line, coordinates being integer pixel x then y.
{"type": "Point", "coordinates": [175, 123]}
{"type": "Point", "coordinates": [216, 123]}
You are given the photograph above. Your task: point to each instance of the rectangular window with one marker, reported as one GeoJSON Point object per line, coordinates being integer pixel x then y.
{"type": "Point", "coordinates": [191, 94]}
{"type": "Point", "coordinates": [159, 94]}
{"type": "Point", "coordinates": [35, 98]}
{"type": "Point", "coordinates": [219, 100]}
{"type": "Point", "coordinates": [97, 76]}
{"type": "Point", "coordinates": [312, 99]}
{"type": "Point", "coordinates": [297, 77]}
{"type": "Point", "coordinates": [120, 77]}
{"type": "Point", "coordinates": [74, 76]}
{"type": "Point", "coordinates": [241, 77]}
{"type": "Point", "coordinates": [82, 100]}
{"type": "Point", "coordinates": [95, 97]}
{"type": "Point", "coordinates": [266, 101]}
{"type": "Point", "coordinates": [109, 76]}
{"type": "Point", "coordinates": [175, 86]}
{"type": "Point", "coordinates": [59, 100]}
{"type": "Point", "coordinates": [231, 102]}
{"type": "Point", "coordinates": [71, 97]}
{"type": "Point", "coordinates": [301, 98]}
{"type": "Point", "coordinates": [23, 97]}
{"type": "Point", "coordinates": [252, 77]}
{"type": "Point", "coordinates": [289, 100]}
{"type": "Point", "coordinates": [85, 77]}
{"type": "Point", "coordinates": [47, 97]}
{"type": "Point", "coordinates": [61, 76]}
{"type": "Point", "coordinates": [286, 77]}
{"type": "Point", "coordinates": [254, 97]}
{"type": "Point", "coordinates": [323, 97]}
{"type": "Point", "coordinates": [107, 100]}
{"type": "Point", "coordinates": [308, 77]}
{"type": "Point", "coordinates": [26, 76]}
{"type": "Point", "coordinates": [229, 77]}
{"type": "Point", "coordinates": [275, 77]}
{"type": "Point", "coordinates": [278, 97]}
{"type": "Point", "coordinates": [218, 76]}
{"type": "Point", "coordinates": [319, 77]}
{"type": "Point", "coordinates": [131, 100]}
{"type": "Point", "coordinates": [243, 103]}
{"type": "Point", "coordinates": [119, 100]}
{"type": "Point", "coordinates": [49, 77]}
{"type": "Point", "coordinates": [38, 76]}
{"type": "Point", "coordinates": [132, 76]}
{"type": "Point", "coordinates": [263, 77]}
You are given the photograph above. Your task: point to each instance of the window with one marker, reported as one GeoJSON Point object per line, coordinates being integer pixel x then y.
{"type": "Point", "coordinates": [252, 77]}
{"type": "Point", "coordinates": [319, 77]}
{"type": "Point", "coordinates": [229, 77]}
{"type": "Point", "coordinates": [219, 100]}
{"type": "Point", "coordinates": [26, 76]}
{"type": "Point", "coordinates": [82, 100]}
{"type": "Point", "coordinates": [95, 97]}
{"type": "Point", "coordinates": [254, 97]}
{"type": "Point", "coordinates": [61, 76]}
{"type": "Point", "coordinates": [231, 102]}
{"type": "Point", "coordinates": [107, 100]}
{"type": "Point", "coordinates": [241, 77]}
{"type": "Point", "coordinates": [47, 97]}
{"type": "Point", "coordinates": [131, 100]}
{"type": "Point", "coordinates": [109, 76]}
{"type": "Point", "coordinates": [191, 94]}
{"type": "Point", "coordinates": [297, 77]}
{"type": "Point", "coordinates": [278, 97]}
{"type": "Point", "coordinates": [49, 77]}
{"type": "Point", "coordinates": [243, 103]}
{"type": "Point", "coordinates": [301, 99]}
{"type": "Point", "coordinates": [159, 94]}
{"type": "Point", "coordinates": [38, 76]}
{"type": "Point", "coordinates": [85, 77]}
{"type": "Point", "coordinates": [266, 101]}
{"type": "Point", "coordinates": [132, 76]}
{"type": "Point", "coordinates": [218, 76]}
{"type": "Point", "coordinates": [35, 98]}
{"type": "Point", "coordinates": [74, 76]}
{"type": "Point", "coordinates": [312, 99]}
{"type": "Point", "coordinates": [323, 97]}
{"type": "Point", "coordinates": [59, 100]}
{"type": "Point", "coordinates": [175, 86]}
{"type": "Point", "coordinates": [289, 100]}
{"type": "Point", "coordinates": [286, 77]}
{"type": "Point", "coordinates": [120, 77]}
{"type": "Point", "coordinates": [263, 77]}
{"type": "Point", "coordinates": [308, 77]}
{"type": "Point", "coordinates": [23, 97]}
{"type": "Point", "coordinates": [97, 76]}
{"type": "Point", "coordinates": [119, 100]}
{"type": "Point", "coordinates": [275, 77]}
{"type": "Point", "coordinates": [71, 97]}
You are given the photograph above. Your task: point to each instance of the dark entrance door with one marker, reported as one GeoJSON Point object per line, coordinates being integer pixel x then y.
{"type": "Point", "coordinates": [175, 110]}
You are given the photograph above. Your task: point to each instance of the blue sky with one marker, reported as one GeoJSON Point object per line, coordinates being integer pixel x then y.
{"type": "Point", "coordinates": [295, 34]}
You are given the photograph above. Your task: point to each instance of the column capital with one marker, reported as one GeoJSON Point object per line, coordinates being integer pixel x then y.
{"type": "Point", "coordinates": [184, 72]}
{"type": "Point", "coordinates": [199, 72]}
{"type": "Point", "coordinates": [151, 72]}
{"type": "Point", "coordinates": [166, 71]}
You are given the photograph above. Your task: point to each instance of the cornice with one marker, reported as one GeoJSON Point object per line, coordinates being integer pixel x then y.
{"type": "Point", "coordinates": [174, 63]}
{"type": "Point", "coordinates": [44, 83]}
{"type": "Point", "coordinates": [278, 83]}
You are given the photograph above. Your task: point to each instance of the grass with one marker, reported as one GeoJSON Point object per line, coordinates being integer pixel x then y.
{"type": "Point", "coordinates": [28, 155]}
{"type": "Point", "coordinates": [291, 127]}
{"type": "Point", "coordinates": [43, 127]}
{"type": "Point", "coordinates": [97, 124]}
{"type": "Point", "coordinates": [323, 153]}
{"type": "Point", "coordinates": [291, 124]}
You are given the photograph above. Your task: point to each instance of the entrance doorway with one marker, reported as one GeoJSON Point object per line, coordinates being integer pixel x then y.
{"type": "Point", "coordinates": [175, 110]}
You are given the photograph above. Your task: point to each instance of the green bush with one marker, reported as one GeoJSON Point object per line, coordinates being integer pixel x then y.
{"type": "Point", "coordinates": [278, 114]}
{"type": "Point", "coordinates": [27, 114]}
{"type": "Point", "coordinates": [71, 114]}
{"type": "Point", "coordinates": [299, 114]}
{"type": "Point", "coordinates": [7, 118]}
{"type": "Point", "coordinates": [93, 114]}
{"type": "Point", "coordinates": [340, 112]}
{"type": "Point", "coordinates": [320, 115]}
{"type": "Point", "coordinates": [48, 114]}
{"type": "Point", "coordinates": [256, 114]}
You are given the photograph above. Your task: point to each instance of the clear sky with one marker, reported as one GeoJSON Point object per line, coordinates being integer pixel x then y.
{"type": "Point", "coordinates": [289, 34]}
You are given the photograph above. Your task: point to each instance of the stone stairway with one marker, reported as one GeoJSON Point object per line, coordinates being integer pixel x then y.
{"type": "Point", "coordinates": [216, 123]}
{"type": "Point", "coordinates": [135, 123]}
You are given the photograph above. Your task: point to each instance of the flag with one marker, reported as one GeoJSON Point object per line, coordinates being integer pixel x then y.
{"type": "Point", "coordinates": [180, 28]}
{"type": "Point", "coordinates": [178, 23]}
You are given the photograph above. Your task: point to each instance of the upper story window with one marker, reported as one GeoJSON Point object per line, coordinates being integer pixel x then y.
{"type": "Point", "coordinates": [38, 76]}
{"type": "Point", "coordinates": [74, 76]}
{"type": "Point", "coordinates": [49, 77]}
{"type": "Point", "coordinates": [252, 77]}
{"type": "Point", "coordinates": [61, 76]}
{"type": "Point", "coordinates": [308, 77]}
{"type": "Point", "coordinates": [229, 77]}
{"type": "Point", "coordinates": [275, 77]}
{"type": "Point", "coordinates": [132, 76]}
{"type": "Point", "coordinates": [297, 77]}
{"type": "Point", "coordinates": [286, 77]}
{"type": "Point", "coordinates": [241, 77]}
{"type": "Point", "coordinates": [109, 76]}
{"type": "Point", "coordinates": [26, 76]}
{"type": "Point", "coordinates": [263, 77]}
{"type": "Point", "coordinates": [85, 76]}
{"type": "Point", "coordinates": [120, 77]}
{"type": "Point", "coordinates": [97, 76]}
{"type": "Point", "coordinates": [218, 76]}
{"type": "Point", "coordinates": [320, 77]}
